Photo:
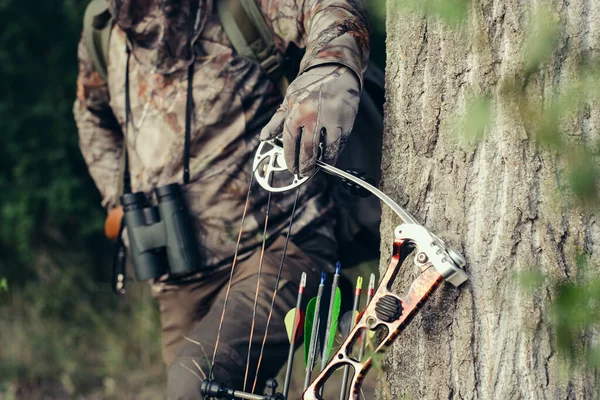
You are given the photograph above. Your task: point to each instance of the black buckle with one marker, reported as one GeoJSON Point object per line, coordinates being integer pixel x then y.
{"type": "Point", "coordinates": [271, 64]}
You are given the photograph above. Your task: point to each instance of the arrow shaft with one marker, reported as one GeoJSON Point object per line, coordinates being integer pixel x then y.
{"type": "Point", "coordinates": [313, 337]}
{"type": "Point", "coordinates": [370, 294]}
{"type": "Point", "coordinates": [355, 305]}
{"type": "Point", "coordinates": [325, 353]}
{"type": "Point", "coordinates": [290, 361]}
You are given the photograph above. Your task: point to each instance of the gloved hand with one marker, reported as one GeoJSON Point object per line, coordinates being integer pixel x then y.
{"type": "Point", "coordinates": [320, 106]}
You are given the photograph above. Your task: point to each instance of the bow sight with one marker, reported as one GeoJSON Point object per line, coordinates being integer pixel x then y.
{"type": "Point", "coordinates": [387, 312]}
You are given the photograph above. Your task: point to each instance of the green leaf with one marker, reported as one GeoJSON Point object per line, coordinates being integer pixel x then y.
{"type": "Point", "coordinates": [542, 39]}
{"type": "Point", "coordinates": [584, 178]}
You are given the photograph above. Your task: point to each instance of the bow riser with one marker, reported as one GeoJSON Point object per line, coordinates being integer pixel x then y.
{"type": "Point", "coordinates": [419, 292]}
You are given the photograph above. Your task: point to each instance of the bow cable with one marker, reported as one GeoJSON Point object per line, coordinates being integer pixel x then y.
{"type": "Point", "coordinates": [260, 267]}
{"type": "Point", "coordinates": [233, 265]}
{"type": "Point", "coordinates": [275, 290]}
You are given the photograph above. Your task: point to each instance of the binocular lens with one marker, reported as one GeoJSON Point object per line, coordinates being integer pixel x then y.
{"type": "Point", "coordinates": [168, 192]}
{"type": "Point", "coordinates": [133, 201]}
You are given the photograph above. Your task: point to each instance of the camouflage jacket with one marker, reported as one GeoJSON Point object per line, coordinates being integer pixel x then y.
{"type": "Point", "coordinates": [233, 100]}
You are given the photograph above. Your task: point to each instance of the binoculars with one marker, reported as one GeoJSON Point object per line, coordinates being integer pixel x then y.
{"type": "Point", "coordinates": [161, 238]}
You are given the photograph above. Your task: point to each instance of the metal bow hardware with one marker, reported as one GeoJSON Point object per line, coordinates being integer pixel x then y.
{"type": "Point", "coordinates": [387, 312]}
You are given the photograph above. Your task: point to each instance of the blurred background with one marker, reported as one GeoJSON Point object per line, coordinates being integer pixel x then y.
{"type": "Point", "coordinates": [63, 333]}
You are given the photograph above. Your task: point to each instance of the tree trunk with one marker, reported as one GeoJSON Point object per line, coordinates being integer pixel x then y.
{"type": "Point", "coordinates": [500, 201]}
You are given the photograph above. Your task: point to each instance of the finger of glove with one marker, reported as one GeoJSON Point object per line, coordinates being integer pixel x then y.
{"type": "Point", "coordinates": [311, 138]}
{"type": "Point", "coordinates": [332, 143]}
{"type": "Point", "coordinates": [301, 139]}
{"type": "Point", "coordinates": [291, 142]}
{"type": "Point", "coordinates": [275, 126]}
{"type": "Point", "coordinates": [337, 119]}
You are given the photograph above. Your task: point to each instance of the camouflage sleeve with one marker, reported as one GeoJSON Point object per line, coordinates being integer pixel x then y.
{"type": "Point", "coordinates": [100, 136]}
{"type": "Point", "coordinates": [331, 31]}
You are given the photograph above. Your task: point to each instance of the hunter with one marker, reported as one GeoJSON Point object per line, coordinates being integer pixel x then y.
{"type": "Point", "coordinates": [163, 50]}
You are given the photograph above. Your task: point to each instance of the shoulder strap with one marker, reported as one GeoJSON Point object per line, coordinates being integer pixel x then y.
{"type": "Point", "coordinates": [97, 26]}
{"type": "Point", "coordinates": [251, 36]}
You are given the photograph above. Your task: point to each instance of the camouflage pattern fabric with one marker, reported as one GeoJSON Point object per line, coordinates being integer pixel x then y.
{"type": "Point", "coordinates": [233, 100]}
{"type": "Point", "coordinates": [161, 33]}
{"type": "Point", "coordinates": [320, 106]}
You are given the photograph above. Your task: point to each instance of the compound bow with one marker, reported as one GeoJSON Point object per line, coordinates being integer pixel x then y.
{"type": "Point", "coordinates": [437, 262]}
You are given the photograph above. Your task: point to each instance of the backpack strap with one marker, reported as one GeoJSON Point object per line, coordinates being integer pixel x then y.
{"type": "Point", "coordinates": [97, 26]}
{"type": "Point", "coordinates": [251, 36]}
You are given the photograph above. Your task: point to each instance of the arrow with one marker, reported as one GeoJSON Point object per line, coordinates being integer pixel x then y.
{"type": "Point", "coordinates": [335, 302]}
{"type": "Point", "coordinates": [294, 333]}
{"type": "Point", "coordinates": [357, 293]}
{"type": "Point", "coordinates": [345, 322]}
{"type": "Point", "coordinates": [312, 323]}
{"type": "Point", "coordinates": [370, 293]}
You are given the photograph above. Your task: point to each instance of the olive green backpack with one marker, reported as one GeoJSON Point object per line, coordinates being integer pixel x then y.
{"type": "Point", "coordinates": [252, 38]}
{"type": "Point", "coordinates": [242, 20]}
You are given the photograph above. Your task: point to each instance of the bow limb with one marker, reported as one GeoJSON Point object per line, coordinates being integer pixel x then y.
{"type": "Point", "coordinates": [420, 291]}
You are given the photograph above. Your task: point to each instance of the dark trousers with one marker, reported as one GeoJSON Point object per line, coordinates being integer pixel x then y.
{"type": "Point", "coordinates": [190, 315]}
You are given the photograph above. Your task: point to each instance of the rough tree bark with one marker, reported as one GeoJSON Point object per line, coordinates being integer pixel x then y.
{"type": "Point", "coordinates": [497, 200]}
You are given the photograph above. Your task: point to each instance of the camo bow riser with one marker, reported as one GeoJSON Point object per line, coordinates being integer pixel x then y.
{"type": "Point", "coordinates": [387, 310]}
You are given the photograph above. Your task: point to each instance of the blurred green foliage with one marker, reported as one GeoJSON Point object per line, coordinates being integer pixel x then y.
{"type": "Point", "coordinates": [376, 9]}
{"type": "Point", "coordinates": [64, 332]}
{"type": "Point", "coordinates": [472, 126]}
{"type": "Point", "coordinates": [45, 188]}
{"type": "Point", "coordinates": [575, 305]}
{"type": "Point", "coordinates": [67, 335]}
{"type": "Point", "coordinates": [546, 122]}
{"type": "Point", "coordinates": [575, 310]}
{"type": "Point", "coordinates": [542, 39]}
{"type": "Point", "coordinates": [452, 12]}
